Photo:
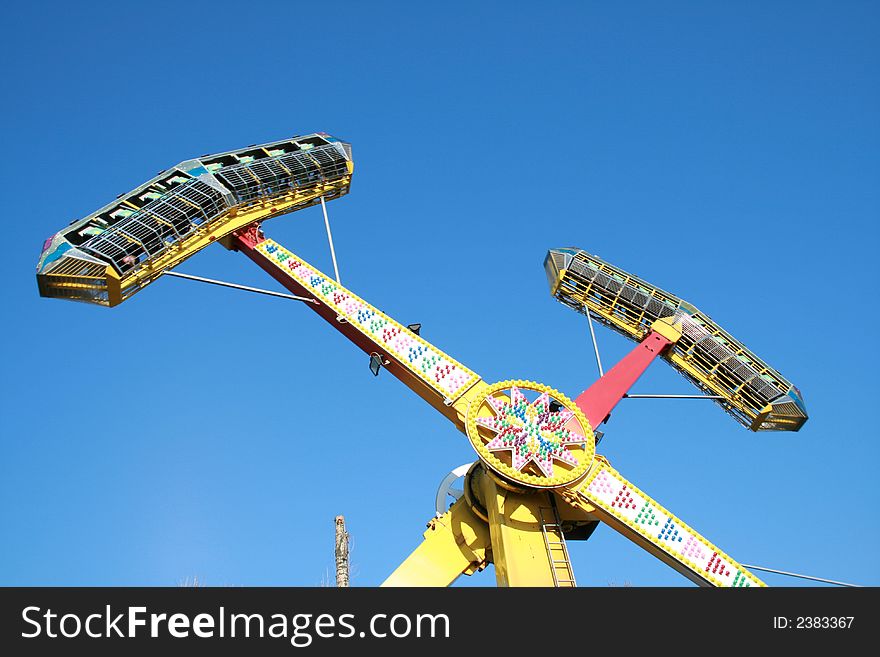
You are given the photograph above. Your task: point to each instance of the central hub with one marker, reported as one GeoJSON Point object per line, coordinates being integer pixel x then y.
{"type": "Point", "coordinates": [531, 434]}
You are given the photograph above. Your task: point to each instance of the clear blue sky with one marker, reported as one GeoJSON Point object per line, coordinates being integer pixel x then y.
{"type": "Point", "coordinates": [727, 152]}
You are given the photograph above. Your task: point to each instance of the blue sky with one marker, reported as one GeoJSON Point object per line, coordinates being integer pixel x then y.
{"type": "Point", "coordinates": [726, 152]}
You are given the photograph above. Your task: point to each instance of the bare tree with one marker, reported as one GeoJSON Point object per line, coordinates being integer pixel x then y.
{"type": "Point", "coordinates": [342, 545]}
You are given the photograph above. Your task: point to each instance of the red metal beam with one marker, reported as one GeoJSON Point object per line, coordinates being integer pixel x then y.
{"type": "Point", "coordinates": [599, 399]}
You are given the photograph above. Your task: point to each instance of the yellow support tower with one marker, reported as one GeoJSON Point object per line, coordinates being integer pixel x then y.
{"type": "Point", "coordinates": [519, 548]}
{"type": "Point", "coordinates": [456, 543]}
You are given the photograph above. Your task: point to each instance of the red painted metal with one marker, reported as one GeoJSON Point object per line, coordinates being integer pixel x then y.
{"type": "Point", "coordinates": [597, 401]}
{"type": "Point", "coordinates": [250, 235]}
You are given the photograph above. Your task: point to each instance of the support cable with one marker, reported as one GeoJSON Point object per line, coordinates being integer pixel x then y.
{"type": "Point", "coordinates": [595, 345]}
{"type": "Point", "coordinates": [330, 239]}
{"type": "Point", "coordinates": [810, 577]}
{"type": "Point", "coordinates": [235, 286]}
{"type": "Point", "coordinates": [628, 396]}
{"type": "Point", "coordinates": [602, 373]}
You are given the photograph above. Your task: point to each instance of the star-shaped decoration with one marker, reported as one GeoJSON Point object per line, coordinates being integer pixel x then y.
{"type": "Point", "coordinates": [530, 432]}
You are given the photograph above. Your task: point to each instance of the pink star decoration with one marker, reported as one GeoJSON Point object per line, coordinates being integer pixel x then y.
{"type": "Point", "coordinates": [530, 432]}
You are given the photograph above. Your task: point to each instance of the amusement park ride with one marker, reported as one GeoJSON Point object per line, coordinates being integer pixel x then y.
{"type": "Point", "coordinates": [538, 481]}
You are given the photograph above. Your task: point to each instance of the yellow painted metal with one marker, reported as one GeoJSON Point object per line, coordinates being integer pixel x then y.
{"type": "Point", "coordinates": [769, 414]}
{"type": "Point", "coordinates": [114, 287]}
{"type": "Point", "coordinates": [456, 543]}
{"type": "Point", "coordinates": [666, 326]}
{"type": "Point", "coordinates": [108, 288]}
{"type": "Point", "coordinates": [433, 374]}
{"type": "Point", "coordinates": [232, 221]}
{"type": "Point", "coordinates": [608, 496]}
{"type": "Point", "coordinates": [519, 551]}
{"type": "Point", "coordinates": [500, 462]}
{"type": "Point", "coordinates": [78, 279]}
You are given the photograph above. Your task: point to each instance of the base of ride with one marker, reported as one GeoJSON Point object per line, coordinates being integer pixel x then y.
{"type": "Point", "coordinates": [538, 481]}
{"type": "Point", "coordinates": [524, 533]}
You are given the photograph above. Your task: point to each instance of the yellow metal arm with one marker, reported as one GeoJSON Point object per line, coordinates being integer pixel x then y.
{"type": "Point", "coordinates": [235, 219]}
{"type": "Point", "coordinates": [434, 375]}
{"type": "Point", "coordinates": [455, 544]}
{"type": "Point", "coordinates": [606, 494]}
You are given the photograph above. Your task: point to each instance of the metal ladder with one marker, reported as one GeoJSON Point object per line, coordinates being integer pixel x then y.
{"type": "Point", "coordinates": [554, 541]}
